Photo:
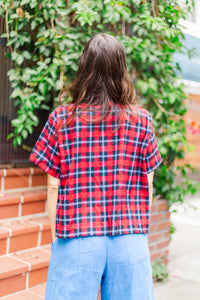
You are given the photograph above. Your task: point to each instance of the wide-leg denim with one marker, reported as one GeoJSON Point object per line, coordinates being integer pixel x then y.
{"type": "Point", "coordinates": [119, 264]}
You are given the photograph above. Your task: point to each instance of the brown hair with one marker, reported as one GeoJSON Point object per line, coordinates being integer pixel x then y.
{"type": "Point", "coordinates": [102, 78]}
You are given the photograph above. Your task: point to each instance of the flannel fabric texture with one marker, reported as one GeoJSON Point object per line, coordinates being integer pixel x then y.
{"type": "Point", "coordinates": [103, 173]}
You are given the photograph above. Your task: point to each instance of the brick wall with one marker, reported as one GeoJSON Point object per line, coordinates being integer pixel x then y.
{"type": "Point", "coordinates": [159, 232]}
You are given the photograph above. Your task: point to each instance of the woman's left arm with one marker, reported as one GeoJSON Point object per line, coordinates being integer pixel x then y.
{"type": "Point", "coordinates": [150, 183]}
{"type": "Point", "coordinates": [52, 198]}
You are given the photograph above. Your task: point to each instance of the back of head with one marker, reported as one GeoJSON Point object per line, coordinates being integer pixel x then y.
{"type": "Point", "coordinates": [102, 72]}
{"type": "Point", "coordinates": [102, 75]}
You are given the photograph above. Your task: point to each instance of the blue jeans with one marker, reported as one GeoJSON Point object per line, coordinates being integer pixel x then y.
{"type": "Point", "coordinates": [119, 264]}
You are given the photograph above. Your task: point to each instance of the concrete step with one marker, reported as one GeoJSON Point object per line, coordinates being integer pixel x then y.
{"type": "Point", "coordinates": [24, 233]}
{"type": "Point", "coordinates": [19, 204]}
{"type": "Point", "coordinates": [23, 270]}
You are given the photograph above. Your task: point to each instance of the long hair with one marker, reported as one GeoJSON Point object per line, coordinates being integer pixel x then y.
{"type": "Point", "coordinates": [102, 79]}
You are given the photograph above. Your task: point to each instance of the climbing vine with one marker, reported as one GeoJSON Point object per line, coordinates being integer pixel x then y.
{"type": "Point", "coordinates": [45, 39]}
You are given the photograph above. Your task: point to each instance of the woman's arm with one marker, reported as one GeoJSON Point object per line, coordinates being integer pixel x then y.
{"type": "Point", "coordinates": [150, 182]}
{"type": "Point", "coordinates": [52, 197]}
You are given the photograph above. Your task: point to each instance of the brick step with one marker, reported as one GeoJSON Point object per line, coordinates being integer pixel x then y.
{"type": "Point", "coordinates": [35, 293]}
{"type": "Point", "coordinates": [21, 178]}
{"type": "Point", "coordinates": [23, 270]}
{"type": "Point", "coordinates": [19, 204]}
{"type": "Point", "coordinates": [24, 234]}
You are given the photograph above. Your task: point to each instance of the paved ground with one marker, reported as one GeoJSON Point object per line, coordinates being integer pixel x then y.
{"type": "Point", "coordinates": [184, 263]}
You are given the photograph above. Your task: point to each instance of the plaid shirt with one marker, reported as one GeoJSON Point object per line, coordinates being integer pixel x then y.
{"type": "Point", "coordinates": [103, 175]}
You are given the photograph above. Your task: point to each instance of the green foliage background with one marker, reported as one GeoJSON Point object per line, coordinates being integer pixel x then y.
{"type": "Point", "coordinates": [45, 39]}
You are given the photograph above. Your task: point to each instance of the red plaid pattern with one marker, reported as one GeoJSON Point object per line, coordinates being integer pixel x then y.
{"type": "Point", "coordinates": [103, 174]}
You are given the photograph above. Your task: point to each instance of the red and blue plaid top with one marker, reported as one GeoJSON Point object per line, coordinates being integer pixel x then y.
{"type": "Point", "coordinates": [103, 175]}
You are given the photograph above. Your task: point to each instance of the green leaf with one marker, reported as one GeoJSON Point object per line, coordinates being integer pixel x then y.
{"type": "Point", "coordinates": [33, 117]}
{"type": "Point", "coordinates": [11, 135]}
{"type": "Point", "coordinates": [29, 128]}
{"type": "Point", "coordinates": [43, 88]}
{"type": "Point", "coordinates": [34, 24]}
{"type": "Point", "coordinates": [23, 2]}
{"type": "Point", "coordinates": [24, 134]}
{"type": "Point", "coordinates": [44, 106]}
{"type": "Point", "coordinates": [15, 122]}
{"type": "Point", "coordinates": [142, 86]}
{"type": "Point", "coordinates": [33, 3]}
{"type": "Point", "coordinates": [26, 54]}
{"type": "Point", "coordinates": [19, 140]}
{"type": "Point", "coordinates": [19, 59]}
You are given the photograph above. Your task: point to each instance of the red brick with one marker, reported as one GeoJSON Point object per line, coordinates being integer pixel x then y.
{"type": "Point", "coordinates": [165, 253]}
{"type": "Point", "coordinates": [155, 256]}
{"type": "Point", "coordinates": [4, 233]}
{"type": "Point", "coordinates": [162, 205]}
{"type": "Point", "coordinates": [152, 248]}
{"type": "Point", "coordinates": [39, 180]}
{"type": "Point", "coordinates": [152, 227]}
{"type": "Point", "coordinates": [16, 182]}
{"type": "Point", "coordinates": [21, 226]}
{"type": "Point", "coordinates": [24, 296]}
{"type": "Point", "coordinates": [1, 172]}
{"type": "Point", "coordinates": [38, 276]}
{"type": "Point", "coordinates": [156, 217]}
{"type": "Point", "coordinates": [154, 206]}
{"type": "Point", "coordinates": [38, 259]}
{"type": "Point", "coordinates": [33, 208]}
{"type": "Point", "coordinates": [24, 241]}
{"type": "Point", "coordinates": [24, 234]}
{"type": "Point", "coordinates": [38, 171]}
{"type": "Point", "coordinates": [3, 246]}
{"type": "Point", "coordinates": [12, 284]}
{"type": "Point", "coordinates": [155, 237]}
{"type": "Point", "coordinates": [39, 290]}
{"type": "Point", "coordinates": [17, 172]}
{"type": "Point", "coordinates": [167, 215]}
{"type": "Point", "coordinates": [166, 234]}
{"type": "Point", "coordinates": [8, 199]}
{"type": "Point", "coordinates": [165, 261]}
{"type": "Point", "coordinates": [163, 225]}
{"type": "Point", "coordinates": [35, 196]}
{"type": "Point", "coordinates": [42, 221]}
{"type": "Point", "coordinates": [10, 267]}
{"type": "Point", "coordinates": [9, 211]}
{"type": "Point", "coordinates": [162, 245]}
{"type": "Point", "coordinates": [46, 237]}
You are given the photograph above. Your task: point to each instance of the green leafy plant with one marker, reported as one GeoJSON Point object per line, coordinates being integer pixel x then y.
{"type": "Point", "coordinates": [160, 271]}
{"type": "Point", "coordinates": [172, 230]}
{"type": "Point", "coordinates": [45, 39]}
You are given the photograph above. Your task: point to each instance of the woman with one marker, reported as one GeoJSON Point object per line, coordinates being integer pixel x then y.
{"type": "Point", "coordinates": [99, 182]}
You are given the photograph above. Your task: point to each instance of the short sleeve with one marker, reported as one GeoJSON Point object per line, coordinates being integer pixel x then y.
{"type": "Point", "coordinates": [45, 153]}
{"type": "Point", "coordinates": [152, 156]}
